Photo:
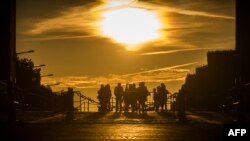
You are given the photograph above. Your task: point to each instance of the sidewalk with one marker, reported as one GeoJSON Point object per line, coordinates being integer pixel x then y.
{"type": "Point", "coordinates": [38, 116]}
{"type": "Point", "coordinates": [211, 117]}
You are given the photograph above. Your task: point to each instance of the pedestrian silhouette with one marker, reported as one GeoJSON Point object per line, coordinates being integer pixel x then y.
{"type": "Point", "coordinates": [142, 95]}
{"type": "Point", "coordinates": [133, 97]}
{"type": "Point", "coordinates": [118, 95]}
{"type": "Point", "coordinates": [126, 98]}
{"type": "Point", "coordinates": [156, 99]}
{"type": "Point", "coordinates": [107, 98]}
{"type": "Point", "coordinates": [101, 98]}
{"type": "Point", "coordinates": [163, 92]}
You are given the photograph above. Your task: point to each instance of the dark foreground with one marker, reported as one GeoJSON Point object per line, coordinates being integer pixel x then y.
{"type": "Point", "coordinates": [77, 132]}
{"type": "Point", "coordinates": [113, 126]}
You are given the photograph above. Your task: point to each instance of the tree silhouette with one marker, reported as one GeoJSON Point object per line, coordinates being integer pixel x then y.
{"type": "Point", "coordinates": [29, 89]}
{"type": "Point", "coordinates": [27, 78]}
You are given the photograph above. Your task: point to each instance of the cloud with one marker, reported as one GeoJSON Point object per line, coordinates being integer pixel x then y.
{"type": "Point", "coordinates": [85, 19]}
{"type": "Point", "coordinates": [198, 13]}
{"type": "Point", "coordinates": [166, 69]}
{"type": "Point", "coordinates": [163, 6]}
{"type": "Point", "coordinates": [62, 37]}
{"type": "Point", "coordinates": [74, 19]}
{"type": "Point", "coordinates": [166, 74]}
{"type": "Point", "coordinates": [178, 50]}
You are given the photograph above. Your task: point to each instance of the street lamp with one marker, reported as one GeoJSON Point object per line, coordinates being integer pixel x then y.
{"type": "Point", "coordinates": [47, 75]}
{"type": "Point", "coordinates": [42, 65]}
{"type": "Point", "coordinates": [58, 83]}
{"type": "Point", "coordinates": [30, 51]}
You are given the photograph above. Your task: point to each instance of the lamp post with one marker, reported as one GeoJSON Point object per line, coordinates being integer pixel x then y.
{"type": "Point", "coordinates": [29, 51]}
{"type": "Point", "coordinates": [58, 83]}
{"type": "Point", "coordinates": [42, 65]}
{"type": "Point", "coordinates": [47, 75]}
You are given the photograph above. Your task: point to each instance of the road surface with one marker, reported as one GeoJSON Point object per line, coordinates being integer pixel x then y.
{"type": "Point", "coordinates": [117, 126]}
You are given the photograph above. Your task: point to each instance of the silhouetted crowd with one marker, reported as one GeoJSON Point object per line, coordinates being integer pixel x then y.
{"type": "Point", "coordinates": [104, 96]}
{"type": "Point", "coordinates": [160, 97]}
{"type": "Point", "coordinates": [132, 97]}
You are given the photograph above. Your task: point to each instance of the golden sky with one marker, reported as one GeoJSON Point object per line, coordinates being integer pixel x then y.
{"type": "Point", "coordinates": [88, 42]}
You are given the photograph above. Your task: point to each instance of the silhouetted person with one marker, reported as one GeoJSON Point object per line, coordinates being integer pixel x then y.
{"type": "Point", "coordinates": [126, 98]}
{"type": "Point", "coordinates": [118, 95]}
{"type": "Point", "coordinates": [129, 96]}
{"type": "Point", "coordinates": [133, 97]}
{"type": "Point", "coordinates": [107, 97]}
{"type": "Point", "coordinates": [163, 97]}
{"type": "Point", "coordinates": [142, 95]}
{"type": "Point", "coordinates": [156, 99]}
{"type": "Point", "coordinates": [101, 98]}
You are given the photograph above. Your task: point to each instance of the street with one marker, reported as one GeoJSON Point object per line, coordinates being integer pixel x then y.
{"type": "Point", "coordinates": [76, 132]}
{"type": "Point", "coordinates": [118, 126]}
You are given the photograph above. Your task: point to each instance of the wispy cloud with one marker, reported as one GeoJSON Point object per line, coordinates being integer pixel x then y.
{"type": "Point", "coordinates": [57, 38]}
{"type": "Point", "coordinates": [166, 74]}
{"type": "Point", "coordinates": [74, 19]}
{"type": "Point", "coordinates": [198, 13]}
{"type": "Point", "coordinates": [162, 5]}
{"type": "Point", "coordinates": [178, 50]}
{"type": "Point", "coordinates": [158, 5]}
{"type": "Point", "coordinates": [166, 69]}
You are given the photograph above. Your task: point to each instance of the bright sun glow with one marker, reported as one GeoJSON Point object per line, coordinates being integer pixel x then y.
{"type": "Point", "coordinates": [130, 26]}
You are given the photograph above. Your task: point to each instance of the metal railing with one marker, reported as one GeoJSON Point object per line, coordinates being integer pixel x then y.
{"type": "Point", "coordinates": [85, 102]}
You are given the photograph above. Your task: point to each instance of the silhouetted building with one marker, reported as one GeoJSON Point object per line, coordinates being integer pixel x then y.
{"type": "Point", "coordinates": [208, 88]}
{"type": "Point", "coordinates": [243, 51]}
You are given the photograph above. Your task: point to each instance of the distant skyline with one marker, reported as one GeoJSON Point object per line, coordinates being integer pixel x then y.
{"type": "Point", "coordinates": [88, 42]}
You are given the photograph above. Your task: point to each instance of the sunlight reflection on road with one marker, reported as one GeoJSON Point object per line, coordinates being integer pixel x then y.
{"type": "Point", "coordinates": [125, 131]}
{"type": "Point", "coordinates": [78, 132]}
{"type": "Point", "coordinates": [128, 131]}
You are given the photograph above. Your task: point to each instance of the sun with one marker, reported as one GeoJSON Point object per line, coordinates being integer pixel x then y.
{"type": "Point", "coordinates": [130, 26]}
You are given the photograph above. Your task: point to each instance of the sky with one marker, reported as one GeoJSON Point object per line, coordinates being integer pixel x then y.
{"type": "Point", "coordinates": [85, 43]}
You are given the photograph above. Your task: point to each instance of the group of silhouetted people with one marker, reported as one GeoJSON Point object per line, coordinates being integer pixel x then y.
{"type": "Point", "coordinates": [104, 96]}
{"type": "Point", "coordinates": [133, 97]}
{"type": "Point", "coordinates": [160, 97]}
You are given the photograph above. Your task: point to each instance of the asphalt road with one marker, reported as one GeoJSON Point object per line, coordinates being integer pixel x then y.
{"type": "Point", "coordinates": [78, 132]}
{"type": "Point", "coordinates": [115, 126]}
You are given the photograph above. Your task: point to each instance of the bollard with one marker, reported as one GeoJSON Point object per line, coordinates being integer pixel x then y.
{"type": "Point", "coordinates": [80, 104]}
{"type": "Point", "coordinates": [84, 105]}
{"type": "Point", "coordinates": [88, 104]}
{"type": "Point", "coordinates": [112, 102]}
